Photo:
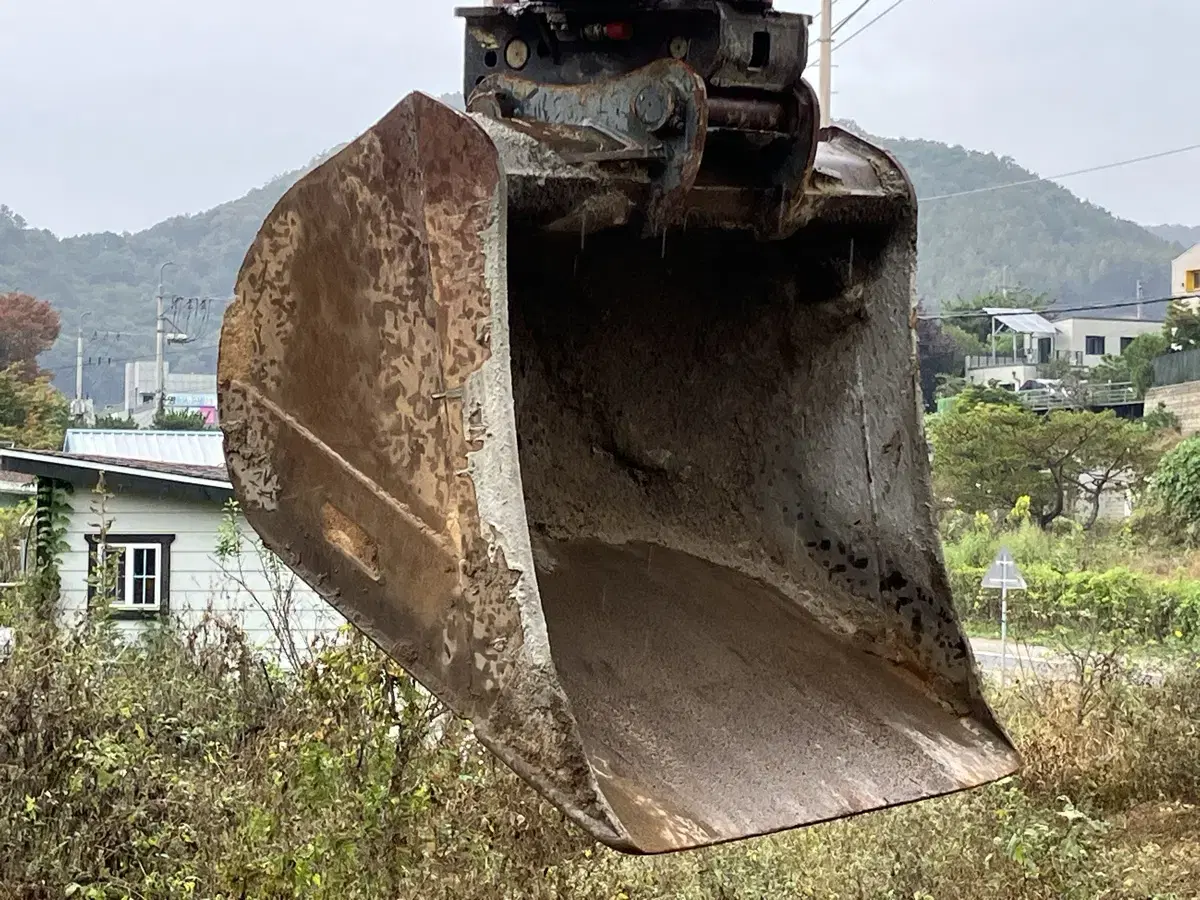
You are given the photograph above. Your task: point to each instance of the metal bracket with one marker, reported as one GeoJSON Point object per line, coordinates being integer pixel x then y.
{"type": "Point", "coordinates": [657, 115]}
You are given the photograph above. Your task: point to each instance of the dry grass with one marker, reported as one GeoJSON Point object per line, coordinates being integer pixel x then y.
{"type": "Point", "coordinates": [188, 769]}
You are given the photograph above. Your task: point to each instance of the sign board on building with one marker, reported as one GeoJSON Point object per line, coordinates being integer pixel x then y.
{"type": "Point", "coordinates": [192, 401]}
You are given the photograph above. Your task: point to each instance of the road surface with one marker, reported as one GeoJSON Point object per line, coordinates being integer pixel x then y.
{"type": "Point", "coordinates": [1029, 659]}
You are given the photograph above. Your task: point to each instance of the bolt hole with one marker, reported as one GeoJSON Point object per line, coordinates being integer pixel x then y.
{"type": "Point", "coordinates": [491, 59]}
{"type": "Point", "coordinates": [479, 81]}
{"type": "Point", "coordinates": [760, 53]}
{"type": "Point", "coordinates": [543, 50]}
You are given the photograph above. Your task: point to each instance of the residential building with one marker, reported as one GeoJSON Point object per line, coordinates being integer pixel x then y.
{"type": "Point", "coordinates": [1185, 273]}
{"type": "Point", "coordinates": [1177, 375]}
{"type": "Point", "coordinates": [1037, 341]}
{"type": "Point", "coordinates": [165, 518]}
{"type": "Point", "coordinates": [184, 392]}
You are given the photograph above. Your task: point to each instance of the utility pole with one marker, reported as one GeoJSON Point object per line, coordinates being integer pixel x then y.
{"type": "Point", "coordinates": [79, 408]}
{"type": "Point", "coordinates": [160, 388]}
{"type": "Point", "coordinates": [826, 61]}
{"type": "Point", "coordinates": [1139, 299]}
{"type": "Point", "coordinates": [79, 362]}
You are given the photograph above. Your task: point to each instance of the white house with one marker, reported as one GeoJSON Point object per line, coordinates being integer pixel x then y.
{"type": "Point", "coordinates": [1091, 338]}
{"type": "Point", "coordinates": [1081, 341]}
{"type": "Point", "coordinates": [1185, 273]}
{"type": "Point", "coordinates": [165, 519]}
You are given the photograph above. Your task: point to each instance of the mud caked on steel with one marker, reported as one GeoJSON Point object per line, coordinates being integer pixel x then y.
{"type": "Point", "coordinates": [596, 407]}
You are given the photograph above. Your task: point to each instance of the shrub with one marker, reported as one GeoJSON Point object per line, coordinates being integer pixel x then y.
{"type": "Point", "coordinates": [186, 767]}
{"type": "Point", "coordinates": [1176, 486]}
{"type": "Point", "coordinates": [1117, 599]}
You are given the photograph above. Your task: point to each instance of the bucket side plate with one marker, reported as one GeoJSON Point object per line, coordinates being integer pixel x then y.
{"type": "Point", "coordinates": [366, 395]}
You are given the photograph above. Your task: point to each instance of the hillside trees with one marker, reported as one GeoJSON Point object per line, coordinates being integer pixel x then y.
{"type": "Point", "coordinates": [1039, 235]}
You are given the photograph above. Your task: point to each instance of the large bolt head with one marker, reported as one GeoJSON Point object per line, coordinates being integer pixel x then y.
{"type": "Point", "coordinates": [654, 106]}
{"type": "Point", "coordinates": [516, 54]}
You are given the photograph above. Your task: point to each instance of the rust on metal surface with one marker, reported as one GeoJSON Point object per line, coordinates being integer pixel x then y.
{"type": "Point", "coordinates": [652, 513]}
{"type": "Point", "coordinates": [749, 114]}
{"type": "Point", "coordinates": [363, 369]}
{"type": "Point", "coordinates": [677, 138]}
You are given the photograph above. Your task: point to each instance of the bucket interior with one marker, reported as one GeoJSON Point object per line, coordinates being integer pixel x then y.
{"type": "Point", "coordinates": [722, 466]}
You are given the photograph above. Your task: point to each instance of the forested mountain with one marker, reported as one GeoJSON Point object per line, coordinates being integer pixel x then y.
{"type": "Point", "coordinates": [1039, 236]}
{"type": "Point", "coordinates": [1186, 236]}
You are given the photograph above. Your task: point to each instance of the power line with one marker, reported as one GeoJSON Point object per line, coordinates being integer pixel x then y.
{"type": "Point", "coordinates": [1093, 307]}
{"type": "Point", "coordinates": [869, 24]}
{"type": "Point", "coordinates": [838, 27]}
{"type": "Point", "coordinates": [846, 21]}
{"type": "Point", "coordinates": [1088, 171]}
{"type": "Point", "coordinates": [106, 361]}
{"type": "Point", "coordinates": [829, 45]}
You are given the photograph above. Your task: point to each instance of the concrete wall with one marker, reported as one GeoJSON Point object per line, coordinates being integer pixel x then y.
{"type": "Point", "coordinates": [1188, 262]}
{"type": "Point", "coordinates": [1181, 399]}
{"type": "Point", "coordinates": [198, 582]}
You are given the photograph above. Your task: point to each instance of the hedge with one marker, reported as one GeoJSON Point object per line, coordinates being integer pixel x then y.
{"type": "Point", "coordinates": [1153, 608]}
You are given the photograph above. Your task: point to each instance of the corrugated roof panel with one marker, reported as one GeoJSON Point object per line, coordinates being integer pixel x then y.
{"type": "Point", "coordinates": [188, 448]}
{"type": "Point", "coordinates": [1022, 321]}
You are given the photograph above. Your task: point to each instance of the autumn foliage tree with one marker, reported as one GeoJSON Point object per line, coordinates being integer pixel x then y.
{"type": "Point", "coordinates": [28, 327]}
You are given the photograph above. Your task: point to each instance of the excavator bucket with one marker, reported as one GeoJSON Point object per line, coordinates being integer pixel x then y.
{"type": "Point", "coordinates": [650, 506]}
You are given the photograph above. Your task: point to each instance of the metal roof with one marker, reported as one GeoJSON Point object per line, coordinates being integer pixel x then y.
{"type": "Point", "coordinates": [1022, 321]}
{"type": "Point", "coordinates": [214, 475]}
{"type": "Point", "coordinates": [194, 482]}
{"type": "Point", "coordinates": [187, 448]}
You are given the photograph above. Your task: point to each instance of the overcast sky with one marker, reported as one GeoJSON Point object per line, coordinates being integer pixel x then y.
{"type": "Point", "coordinates": [116, 115]}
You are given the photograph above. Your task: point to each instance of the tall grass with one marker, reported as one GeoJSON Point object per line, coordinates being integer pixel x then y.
{"type": "Point", "coordinates": [186, 767]}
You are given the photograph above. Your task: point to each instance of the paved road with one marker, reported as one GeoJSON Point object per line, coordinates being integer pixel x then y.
{"type": "Point", "coordinates": [1027, 659]}
{"type": "Point", "coordinates": [1021, 657]}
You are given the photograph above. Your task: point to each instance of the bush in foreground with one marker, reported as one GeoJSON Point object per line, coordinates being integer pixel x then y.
{"type": "Point", "coordinates": [186, 767]}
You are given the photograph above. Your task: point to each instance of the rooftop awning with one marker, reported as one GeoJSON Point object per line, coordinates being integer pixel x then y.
{"type": "Point", "coordinates": [1022, 321]}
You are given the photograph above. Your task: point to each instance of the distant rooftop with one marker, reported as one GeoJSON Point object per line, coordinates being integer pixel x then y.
{"type": "Point", "coordinates": [181, 448]}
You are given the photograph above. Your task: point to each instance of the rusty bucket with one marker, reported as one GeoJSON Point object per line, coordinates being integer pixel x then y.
{"type": "Point", "coordinates": [651, 508]}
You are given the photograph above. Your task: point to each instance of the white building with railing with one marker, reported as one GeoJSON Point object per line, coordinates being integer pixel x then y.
{"type": "Point", "coordinates": [1036, 342]}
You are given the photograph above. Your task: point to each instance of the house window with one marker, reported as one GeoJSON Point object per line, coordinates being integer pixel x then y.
{"type": "Point", "coordinates": [1125, 342]}
{"type": "Point", "coordinates": [1192, 281]}
{"type": "Point", "coordinates": [1094, 345]}
{"type": "Point", "coordinates": [140, 576]}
